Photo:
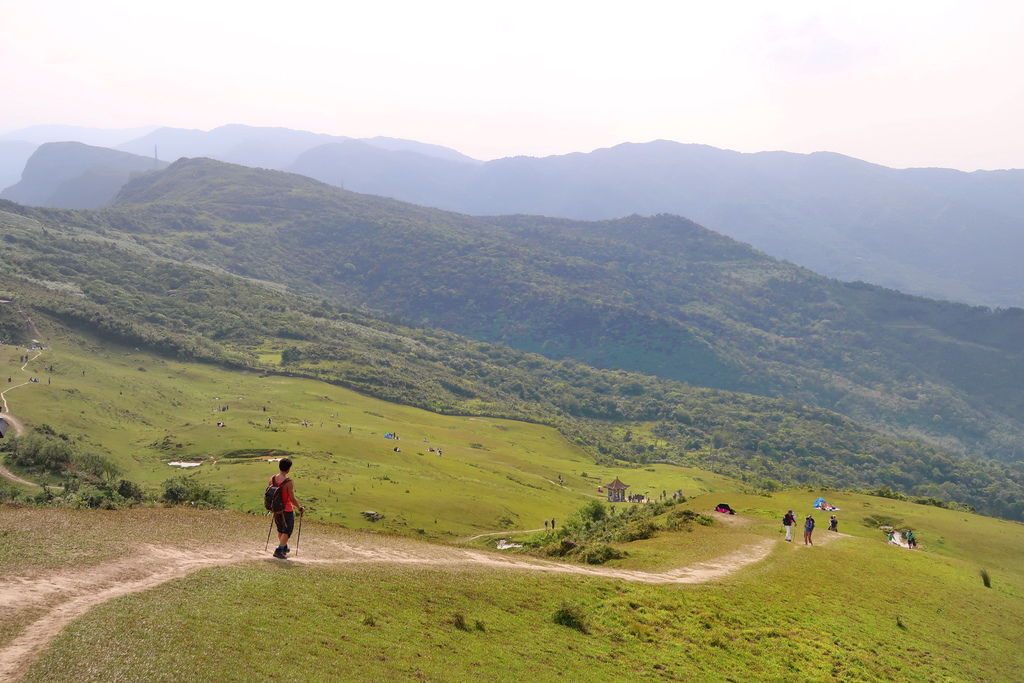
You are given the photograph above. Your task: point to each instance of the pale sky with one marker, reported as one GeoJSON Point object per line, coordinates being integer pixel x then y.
{"type": "Point", "coordinates": [908, 83]}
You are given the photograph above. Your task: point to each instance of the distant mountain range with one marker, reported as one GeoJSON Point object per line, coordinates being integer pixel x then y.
{"type": "Point", "coordinates": [99, 137]}
{"type": "Point", "coordinates": [274, 148]}
{"type": "Point", "coordinates": [260, 147]}
{"type": "Point", "coordinates": [934, 232]}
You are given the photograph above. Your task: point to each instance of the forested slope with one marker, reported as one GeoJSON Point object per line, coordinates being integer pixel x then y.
{"type": "Point", "coordinates": [110, 284]}
{"type": "Point", "coordinates": [656, 295]}
{"type": "Point", "coordinates": [936, 232]}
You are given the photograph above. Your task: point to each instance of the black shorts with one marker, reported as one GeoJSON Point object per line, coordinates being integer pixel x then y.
{"type": "Point", "coordinates": [285, 522]}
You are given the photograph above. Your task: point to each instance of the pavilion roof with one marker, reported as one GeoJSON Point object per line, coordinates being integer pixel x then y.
{"type": "Point", "coordinates": [617, 485]}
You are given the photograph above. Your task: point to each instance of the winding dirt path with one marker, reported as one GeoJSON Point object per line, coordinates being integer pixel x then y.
{"type": "Point", "coordinates": [15, 423]}
{"type": "Point", "coordinates": [50, 602]}
{"type": "Point", "coordinates": [11, 476]}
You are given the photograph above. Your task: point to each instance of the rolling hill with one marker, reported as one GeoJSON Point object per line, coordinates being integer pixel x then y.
{"type": "Point", "coordinates": [659, 295]}
{"type": "Point", "coordinates": [934, 232]}
{"type": "Point", "coordinates": [120, 274]}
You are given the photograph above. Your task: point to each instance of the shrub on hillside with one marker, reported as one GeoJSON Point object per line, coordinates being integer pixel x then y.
{"type": "Point", "coordinates": [599, 554]}
{"type": "Point", "coordinates": [593, 511]}
{"type": "Point", "coordinates": [80, 493]}
{"type": "Point", "coordinates": [51, 453]}
{"type": "Point", "coordinates": [570, 616]}
{"type": "Point", "coordinates": [636, 530]}
{"type": "Point", "coordinates": [682, 520]}
{"type": "Point", "coordinates": [188, 489]}
{"type": "Point", "coordinates": [129, 490]}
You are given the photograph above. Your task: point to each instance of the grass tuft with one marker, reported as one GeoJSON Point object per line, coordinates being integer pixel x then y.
{"type": "Point", "coordinates": [985, 578]}
{"type": "Point", "coordinates": [459, 621]}
{"type": "Point", "coordinates": [570, 616]}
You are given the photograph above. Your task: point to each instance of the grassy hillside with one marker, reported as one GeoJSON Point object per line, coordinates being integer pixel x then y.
{"type": "Point", "coordinates": [657, 295]}
{"type": "Point", "coordinates": [112, 286]}
{"type": "Point", "coordinates": [143, 412]}
{"type": "Point", "coordinates": [851, 607]}
{"type": "Point", "coordinates": [377, 605]}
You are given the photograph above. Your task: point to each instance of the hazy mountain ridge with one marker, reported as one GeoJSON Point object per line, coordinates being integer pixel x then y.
{"type": "Point", "coordinates": [13, 155]}
{"type": "Point", "coordinates": [933, 232]}
{"type": "Point", "coordinates": [657, 295]}
{"type": "Point", "coordinates": [262, 147]}
{"type": "Point", "coordinates": [76, 176]}
{"type": "Point", "coordinates": [936, 232]}
{"type": "Point", "coordinates": [258, 147]}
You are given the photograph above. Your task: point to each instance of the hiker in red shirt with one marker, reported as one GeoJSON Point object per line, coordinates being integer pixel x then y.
{"type": "Point", "coordinates": [285, 519]}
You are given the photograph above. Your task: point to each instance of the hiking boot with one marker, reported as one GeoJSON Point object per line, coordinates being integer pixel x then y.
{"type": "Point", "coordinates": [279, 554]}
{"type": "Point", "coordinates": [286, 550]}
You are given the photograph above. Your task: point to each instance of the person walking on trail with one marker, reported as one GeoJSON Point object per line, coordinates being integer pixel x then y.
{"type": "Point", "coordinates": [285, 519]}
{"type": "Point", "coordinates": [833, 524]}
{"type": "Point", "coordinates": [808, 530]}
{"type": "Point", "coordinates": [788, 522]}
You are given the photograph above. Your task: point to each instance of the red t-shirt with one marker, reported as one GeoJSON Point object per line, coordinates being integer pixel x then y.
{"type": "Point", "coordinates": [286, 492]}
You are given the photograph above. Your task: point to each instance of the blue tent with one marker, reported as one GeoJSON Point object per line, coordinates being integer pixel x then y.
{"type": "Point", "coordinates": [818, 503]}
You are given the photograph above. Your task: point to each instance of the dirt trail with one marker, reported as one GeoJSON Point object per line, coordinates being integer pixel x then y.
{"type": "Point", "coordinates": [16, 424]}
{"type": "Point", "coordinates": [51, 602]}
{"type": "Point", "coordinates": [11, 476]}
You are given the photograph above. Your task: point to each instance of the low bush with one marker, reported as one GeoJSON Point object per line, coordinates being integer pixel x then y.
{"type": "Point", "coordinates": [636, 530]}
{"type": "Point", "coordinates": [599, 554]}
{"type": "Point", "coordinates": [570, 616]}
{"type": "Point", "coordinates": [47, 452]}
{"type": "Point", "coordinates": [188, 489]}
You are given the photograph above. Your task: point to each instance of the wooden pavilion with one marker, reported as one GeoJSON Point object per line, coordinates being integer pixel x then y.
{"type": "Point", "coordinates": [616, 491]}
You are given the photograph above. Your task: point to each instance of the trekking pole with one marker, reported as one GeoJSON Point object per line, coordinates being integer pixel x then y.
{"type": "Point", "coordinates": [269, 531]}
{"type": "Point", "coordinates": [298, 537]}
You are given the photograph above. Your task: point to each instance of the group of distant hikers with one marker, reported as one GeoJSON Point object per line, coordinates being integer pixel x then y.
{"type": "Point", "coordinates": [906, 539]}
{"type": "Point", "coordinates": [789, 521]}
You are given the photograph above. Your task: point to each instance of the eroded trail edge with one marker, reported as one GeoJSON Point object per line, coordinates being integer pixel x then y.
{"type": "Point", "coordinates": [64, 596]}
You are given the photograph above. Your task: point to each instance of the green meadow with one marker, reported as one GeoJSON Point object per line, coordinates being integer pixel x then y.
{"type": "Point", "coordinates": [850, 608]}
{"type": "Point", "coordinates": [143, 412]}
